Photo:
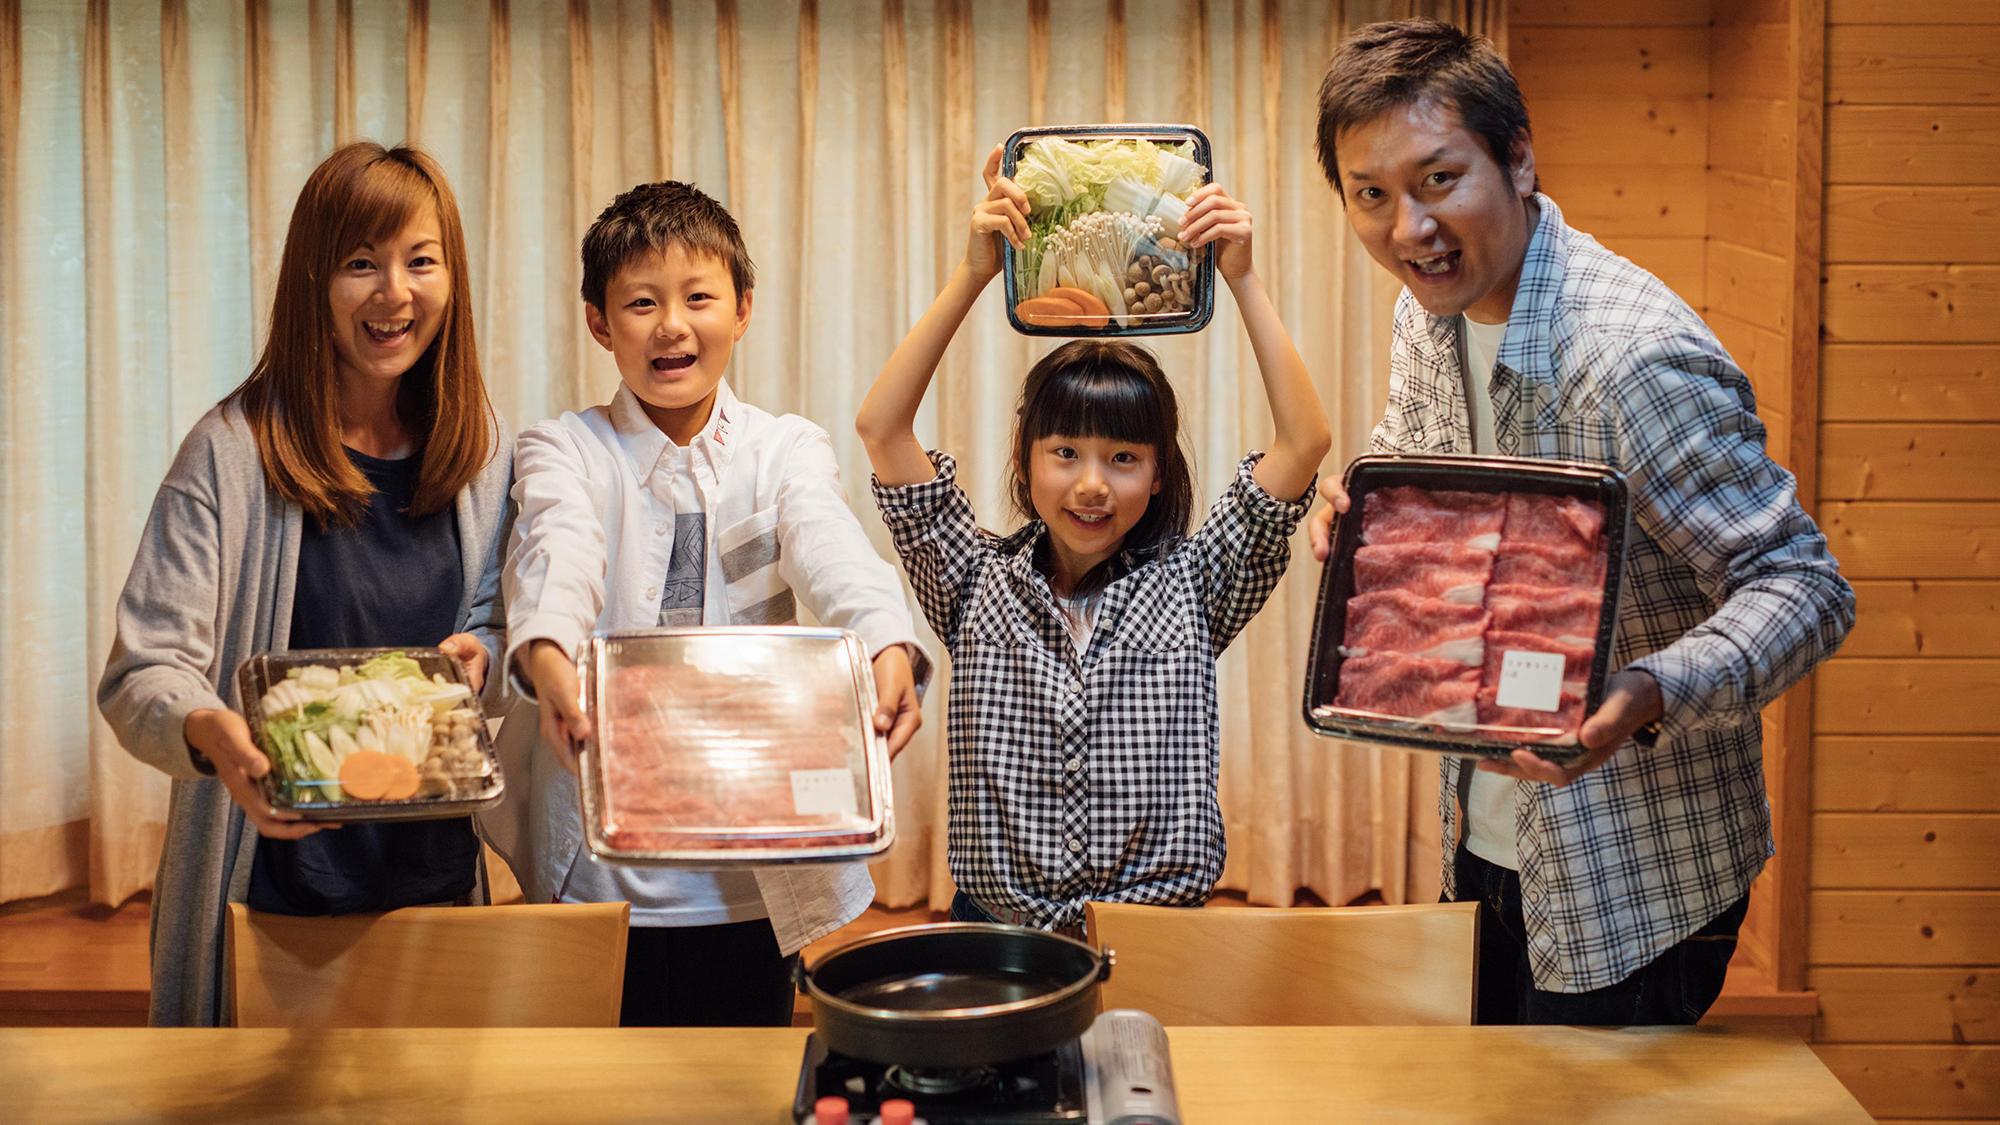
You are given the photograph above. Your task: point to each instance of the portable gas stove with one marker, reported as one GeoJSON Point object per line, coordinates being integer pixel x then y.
{"type": "Point", "coordinates": [1117, 1071]}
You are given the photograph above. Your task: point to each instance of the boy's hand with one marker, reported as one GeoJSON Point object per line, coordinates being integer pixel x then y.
{"type": "Point", "coordinates": [898, 714]}
{"type": "Point", "coordinates": [1212, 216]}
{"type": "Point", "coordinates": [564, 725]}
{"type": "Point", "coordinates": [1002, 214]}
{"type": "Point", "coordinates": [1320, 527]}
{"type": "Point", "coordinates": [473, 655]}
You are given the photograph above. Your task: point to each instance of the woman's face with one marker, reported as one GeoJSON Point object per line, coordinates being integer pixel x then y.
{"type": "Point", "coordinates": [389, 300]}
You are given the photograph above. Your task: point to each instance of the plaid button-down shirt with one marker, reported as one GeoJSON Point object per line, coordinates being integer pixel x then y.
{"type": "Point", "coordinates": [1086, 777]}
{"type": "Point", "coordinates": [1730, 594]}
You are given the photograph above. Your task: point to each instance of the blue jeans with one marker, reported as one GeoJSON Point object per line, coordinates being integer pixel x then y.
{"type": "Point", "coordinates": [963, 909]}
{"type": "Point", "coordinates": [1674, 988]}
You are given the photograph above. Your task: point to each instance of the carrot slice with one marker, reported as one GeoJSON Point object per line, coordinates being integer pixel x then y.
{"type": "Point", "coordinates": [1052, 312]}
{"type": "Point", "coordinates": [1095, 312]}
{"type": "Point", "coordinates": [367, 774]}
{"type": "Point", "coordinates": [403, 782]}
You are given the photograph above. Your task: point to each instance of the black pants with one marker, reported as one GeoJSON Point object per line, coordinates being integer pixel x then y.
{"type": "Point", "coordinates": [730, 975]}
{"type": "Point", "coordinates": [1674, 988]}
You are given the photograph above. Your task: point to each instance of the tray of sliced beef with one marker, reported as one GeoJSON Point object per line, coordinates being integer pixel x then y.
{"type": "Point", "coordinates": [1469, 603]}
{"type": "Point", "coordinates": [717, 747]}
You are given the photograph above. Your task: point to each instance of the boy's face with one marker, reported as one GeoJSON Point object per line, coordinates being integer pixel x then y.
{"type": "Point", "coordinates": [1427, 199]}
{"type": "Point", "coordinates": [670, 319]}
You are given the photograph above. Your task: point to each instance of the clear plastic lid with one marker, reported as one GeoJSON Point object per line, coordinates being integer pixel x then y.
{"type": "Point", "coordinates": [713, 747]}
{"type": "Point", "coordinates": [1103, 257]}
{"type": "Point", "coordinates": [369, 734]}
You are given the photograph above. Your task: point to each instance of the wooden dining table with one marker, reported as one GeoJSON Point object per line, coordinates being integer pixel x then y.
{"type": "Point", "coordinates": [1260, 1075]}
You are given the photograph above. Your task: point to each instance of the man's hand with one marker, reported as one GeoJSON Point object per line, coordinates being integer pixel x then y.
{"type": "Point", "coordinates": [473, 655]}
{"type": "Point", "coordinates": [564, 725]}
{"type": "Point", "coordinates": [1320, 526]}
{"type": "Point", "coordinates": [1631, 700]}
{"type": "Point", "coordinates": [1002, 214]}
{"type": "Point", "coordinates": [224, 739]}
{"type": "Point", "coordinates": [898, 713]}
{"type": "Point", "coordinates": [1212, 216]}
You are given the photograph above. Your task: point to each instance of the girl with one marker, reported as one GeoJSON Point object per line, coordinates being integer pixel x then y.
{"type": "Point", "coordinates": [1083, 728]}
{"type": "Point", "coordinates": [350, 492]}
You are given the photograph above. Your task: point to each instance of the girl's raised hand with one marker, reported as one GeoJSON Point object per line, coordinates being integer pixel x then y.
{"type": "Point", "coordinates": [1212, 216]}
{"type": "Point", "coordinates": [1002, 214]}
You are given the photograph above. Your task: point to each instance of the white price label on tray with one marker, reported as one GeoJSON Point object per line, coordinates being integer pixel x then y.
{"type": "Point", "coordinates": [1532, 681]}
{"type": "Point", "coordinates": [825, 792]}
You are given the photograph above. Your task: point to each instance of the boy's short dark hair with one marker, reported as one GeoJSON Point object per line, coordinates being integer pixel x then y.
{"type": "Point", "coordinates": [1384, 66]}
{"type": "Point", "coordinates": [651, 217]}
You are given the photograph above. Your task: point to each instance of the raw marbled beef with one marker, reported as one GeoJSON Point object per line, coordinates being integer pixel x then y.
{"type": "Point", "coordinates": [1432, 570]}
{"type": "Point", "coordinates": [1546, 611]}
{"type": "Point", "coordinates": [1400, 621]}
{"type": "Point", "coordinates": [1553, 520]}
{"type": "Point", "coordinates": [1536, 564]}
{"type": "Point", "coordinates": [1406, 514]}
{"type": "Point", "coordinates": [1388, 683]}
{"type": "Point", "coordinates": [1567, 720]}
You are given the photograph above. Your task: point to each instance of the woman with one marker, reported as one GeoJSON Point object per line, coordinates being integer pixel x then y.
{"type": "Point", "coordinates": [352, 491]}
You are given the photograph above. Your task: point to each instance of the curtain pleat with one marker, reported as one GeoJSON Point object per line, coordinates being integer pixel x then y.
{"type": "Point", "coordinates": [150, 157]}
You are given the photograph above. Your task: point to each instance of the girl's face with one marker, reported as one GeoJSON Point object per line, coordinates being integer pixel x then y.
{"type": "Point", "coordinates": [389, 300]}
{"type": "Point", "coordinates": [1090, 491]}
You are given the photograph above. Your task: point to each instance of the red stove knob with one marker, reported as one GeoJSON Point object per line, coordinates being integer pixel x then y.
{"type": "Point", "coordinates": [897, 1111]}
{"type": "Point", "coordinates": [830, 1111]}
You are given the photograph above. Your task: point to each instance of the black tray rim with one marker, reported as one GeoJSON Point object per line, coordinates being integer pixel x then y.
{"type": "Point", "coordinates": [1368, 472]}
{"type": "Point", "coordinates": [1204, 310]}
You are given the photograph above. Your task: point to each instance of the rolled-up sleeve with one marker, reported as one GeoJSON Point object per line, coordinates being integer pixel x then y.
{"type": "Point", "coordinates": [939, 541]}
{"type": "Point", "coordinates": [1242, 549]}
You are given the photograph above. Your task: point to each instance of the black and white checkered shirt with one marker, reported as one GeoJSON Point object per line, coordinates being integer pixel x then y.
{"type": "Point", "coordinates": [1730, 594]}
{"type": "Point", "coordinates": [1093, 778]}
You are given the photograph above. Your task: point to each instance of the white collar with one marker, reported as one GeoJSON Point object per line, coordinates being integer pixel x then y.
{"type": "Point", "coordinates": [645, 444]}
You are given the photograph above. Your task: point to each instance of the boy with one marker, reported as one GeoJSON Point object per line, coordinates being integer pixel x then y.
{"type": "Point", "coordinates": [1613, 888]}
{"type": "Point", "coordinates": [677, 504]}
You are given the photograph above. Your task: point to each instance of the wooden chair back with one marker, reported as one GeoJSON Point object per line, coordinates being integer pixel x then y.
{"type": "Point", "coordinates": [430, 966]}
{"type": "Point", "coordinates": [1307, 966]}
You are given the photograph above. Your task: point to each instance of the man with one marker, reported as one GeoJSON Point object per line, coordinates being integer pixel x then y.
{"type": "Point", "coordinates": [1612, 888]}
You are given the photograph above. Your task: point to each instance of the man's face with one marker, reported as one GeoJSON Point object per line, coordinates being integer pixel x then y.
{"type": "Point", "coordinates": [1427, 199]}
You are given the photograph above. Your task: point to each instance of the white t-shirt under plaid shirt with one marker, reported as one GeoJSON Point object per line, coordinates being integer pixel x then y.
{"type": "Point", "coordinates": [1085, 776]}
{"type": "Point", "coordinates": [1729, 596]}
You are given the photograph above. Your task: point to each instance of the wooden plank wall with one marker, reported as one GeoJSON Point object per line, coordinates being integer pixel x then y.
{"type": "Point", "coordinates": [1905, 903]}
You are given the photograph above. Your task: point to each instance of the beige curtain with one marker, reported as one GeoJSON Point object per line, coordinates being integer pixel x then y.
{"type": "Point", "coordinates": [150, 154]}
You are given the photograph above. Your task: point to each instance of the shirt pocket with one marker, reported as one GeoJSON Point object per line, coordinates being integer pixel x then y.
{"type": "Point", "coordinates": [753, 587]}
{"type": "Point", "coordinates": [1152, 684]}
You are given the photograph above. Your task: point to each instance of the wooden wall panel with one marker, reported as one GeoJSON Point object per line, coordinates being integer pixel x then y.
{"type": "Point", "coordinates": [1553, 62]}
{"type": "Point", "coordinates": [1894, 539]}
{"type": "Point", "coordinates": [1907, 617]}
{"type": "Point", "coordinates": [1906, 851]}
{"type": "Point", "coordinates": [1761, 352]}
{"type": "Point", "coordinates": [1752, 285]}
{"type": "Point", "coordinates": [1907, 1005]}
{"type": "Point", "coordinates": [1918, 1081]}
{"type": "Point", "coordinates": [1753, 136]}
{"type": "Point", "coordinates": [1879, 65]}
{"type": "Point", "coordinates": [1612, 129]}
{"type": "Point", "coordinates": [1904, 928]}
{"type": "Point", "coordinates": [1750, 211]}
{"type": "Point", "coordinates": [1751, 61]}
{"type": "Point", "coordinates": [1895, 144]}
{"type": "Point", "coordinates": [1913, 303]}
{"type": "Point", "coordinates": [1612, 201]}
{"type": "Point", "coordinates": [1680, 262]}
{"type": "Point", "coordinates": [1913, 224]}
{"type": "Point", "coordinates": [1600, 13]}
{"type": "Point", "coordinates": [1906, 461]}
{"type": "Point", "coordinates": [1927, 696]}
{"type": "Point", "coordinates": [1909, 383]}
{"type": "Point", "coordinates": [1927, 12]}
{"type": "Point", "coordinates": [1856, 773]}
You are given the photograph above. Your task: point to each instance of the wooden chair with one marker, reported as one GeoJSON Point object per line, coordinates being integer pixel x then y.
{"type": "Point", "coordinates": [430, 966]}
{"type": "Point", "coordinates": [1308, 966]}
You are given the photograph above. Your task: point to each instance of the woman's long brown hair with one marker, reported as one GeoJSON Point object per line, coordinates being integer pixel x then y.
{"type": "Point", "coordinates": [364, 193]}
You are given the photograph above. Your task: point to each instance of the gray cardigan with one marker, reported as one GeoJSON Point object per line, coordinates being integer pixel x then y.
{"type": "Point", "coordinates": [212, 586]}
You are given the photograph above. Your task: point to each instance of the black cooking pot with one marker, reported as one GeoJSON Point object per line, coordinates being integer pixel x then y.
{"type": "Point", "coordinates": [954, 995]}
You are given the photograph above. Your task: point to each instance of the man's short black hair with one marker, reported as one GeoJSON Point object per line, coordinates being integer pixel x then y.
{"type": "Point", "coordinates": [1396, 63]}
{"type": "Point", "coordinates": [650, 218]}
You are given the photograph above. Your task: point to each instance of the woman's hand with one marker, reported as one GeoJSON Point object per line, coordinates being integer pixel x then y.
{"type": "Point", "coordinates": [564, 725]}
{"type": "Point", "coordinates": [473, 655]}
{"type": "Point", "coordinates": [1320, 526]}
{"type": "Point", "coordinates": [224, 739]}
{"type": "Point", "coordinates": [1002, 214]}
{"type": "Point", "coordinates": [898, 713]}
{"type": "Point", "coordinates": [1212, 216]}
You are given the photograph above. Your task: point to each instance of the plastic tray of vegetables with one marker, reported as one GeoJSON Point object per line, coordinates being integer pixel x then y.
{"type": "Point", "coordinates": [1103, 257]}
{"type": "Point", "coordinates": [369, 734]}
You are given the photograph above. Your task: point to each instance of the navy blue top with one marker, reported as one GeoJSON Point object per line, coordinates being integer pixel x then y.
{"type": "Point", "coordinates": [390, 580]}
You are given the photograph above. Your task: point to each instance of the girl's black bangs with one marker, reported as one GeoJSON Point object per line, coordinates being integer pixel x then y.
{"type": "Point", "coordinates": [1097, 401]}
